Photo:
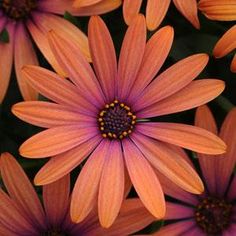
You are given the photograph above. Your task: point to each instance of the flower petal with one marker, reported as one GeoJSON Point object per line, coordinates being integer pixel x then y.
{"type": "Point", "coordinates": [47, 22]}
{"type": "Point", "coordinates": [21, 191]}
{"type": "Point", "coordinates": [60, 6]}
{"type": "Point", "coordinates": [178, 211]}
{"type": "Point", "coordinates": [131, 55]}
{"type": "Point", "coordinates": [205, 119]}
{"type": "Point", "coordinates": [169, 163]}
{"type": "Point", "coordinates": [132, 218]}
{"type": "Point", "coordinates": [62, 164]}
{"type": "Point", "coordinates": [156, 51]}
{"type": "Point", "coordinates": [111, 188]}
{"type": "Point", "coordinates": [103, 55]}
{"type": "Point", "coordinates": [186, 136]}
{"type": "Point", "coordinates": [144, 180]}
{"type": "Point", "coordinates": [218, 9]}
{"type": "Point", "coordinates": [11, 218]}
{"type": "Point", "coordinates": [47, 114]}
{"type": "Point", "coordinates": [193, 95]}
{"type": "Point", "coordinates": [155, 12]}
{"type": "Point", "coordinates": [56, 140]}
{"type": "Point", "coordinates": [172, 80]}
{"type": "Point", "coordinates": [226, 164]}
{"type": "Point", "coordinates": [189, 10]}
{"type": "Point", "coordinates": [24, 54]}
{"type": "Point", "coordinates": [56, 200]}
{"type": "Point", "coordinates": [84, 195]}
{"type": "Point", "coordinates": [78, 69]}
{"type": "Point", "coordinates": [84, 3]}
{"type": "Point", "coordinates": [233, 64]}
{"type": "Point", "coordinates": [130, 10]}
{"type": "Point", "coordinates": [57, 89]}
{"type": "Point", "coordinates": [41, 41]}
{"type": "Point", "coordinates": [6, 61]}
{"type": "Point", "coordinates": [231, 194]}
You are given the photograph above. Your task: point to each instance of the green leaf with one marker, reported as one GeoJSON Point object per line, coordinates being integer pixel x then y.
{"type": "Point", "coordinates": [71, 18]}
{"type": "Point", "coordinates": [4, 36]}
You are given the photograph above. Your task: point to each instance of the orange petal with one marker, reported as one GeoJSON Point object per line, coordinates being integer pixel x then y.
{"type": "Point", "coordinates": [186, 136]}
{"type": "Point", "coordinates": [131, 55]}
{"type": "Point", "coordinates": [41, 41]}
{"type": "Point", "coordinates": [103, 55]}
{"type": "Point", "coordinates": [6, 61]}
{"type": "Point", "coordinates": [155, 12]}
{"type": "Point", "coordinates": [189, 10]}
{"type": "Point", "coordinates": [62, 27]}
{"type": "Point", "coordinates": [24, 55]}
{"type": "Point", "coordinates": [205, 119]}
{"type": "Point", "coordinates": [56, 200]}
{"type": "Point", "coordinates": [144, 180]}
{"type": "Point", "coordinates": [57, 89]}
{"type": "Point", "coordinates": [233, 64]}
{"type": "Point", "coordinates": [172, 80]}
{"type": "Point", "coordinates": [84, 3]}
{"type": "Point", "coordinates": [21, 191]}
{"type": "Point", "coordinates": [132, 218]}
{"type": "Point", "coordinates": [156, 51]}
{"type": "Point", "coordinates": [226, 44]}
{"type": "Point", "coordinates": [193, 95]}
{"type": "Point", "coordinates": [8, 209]}
{"type": "Point", "coordinates": [130, 10]}
{"type": "Point", "coordinates": [169, 163]}
{"type": "Point", "coordinates": [226, 164]}
{"type": "Point", "coordinates": [5, 231]}
{"type": "Point", "coordinates": [60, 6]}
{"type": "Point", "coordinates": [84, 195]}
{"type": "Point", "coordinates": [76, 66]}
{"type": "Point", "coordinates": [47, 114]}
{"type": "Point", "coordinates": [111, 188]}
{"type": "Point", "coordinates": [218, 9]}
{"type": "Point", "coordinates": [62, 164]}
{"type": "Point", "coordinates": [56, 140]}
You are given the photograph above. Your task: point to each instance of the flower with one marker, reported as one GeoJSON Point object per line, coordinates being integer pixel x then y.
{"type": "Point", "coordinates": [21, 17]}
{"type": "Point", "coordinates": [21, 212]}
{"type": "Point", "coordinates": [213, 212]}
{"type": "Point", "coordinates": [104, 118]}
{"type": "Point", "coordinates": [157, 9]}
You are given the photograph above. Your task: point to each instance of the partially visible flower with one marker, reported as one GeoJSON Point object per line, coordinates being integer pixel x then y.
{"type": "Point", "coordinates": [213, 212]}
{"type": "Point", "coordinates": [225, 45]}
{"type": "Point", "coordinates": [21, 212]}
{"type": "Point", "coordinates": [37, 17]}
{"type": "Point", "coordinates": [105, 117]}
{"type": "Point", "coordinates": [157, 9]}
{"type": "Point", "coordinates": [222, 10]}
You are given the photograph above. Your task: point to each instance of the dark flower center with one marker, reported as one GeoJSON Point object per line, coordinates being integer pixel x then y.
{"type": "Point", "coordinates": [55, 233]}
{"type": "Point", "coordinates": [116, 120]}
{"type": "Point", "coordinates": [213, 215]}
{"type": "Point", "coordinates": [18, 9]}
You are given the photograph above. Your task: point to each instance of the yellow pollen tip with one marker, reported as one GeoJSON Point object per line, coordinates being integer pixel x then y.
{"type": "Point", "coordinates": [134, 117]}
{"type": "Point", "coordinates": [122, 104]}
{"type": "Point", "coordinates": [100, 119]}
{"type": "Point", "coordinates": [112, 105]}
{"type": "Point", "coordinates": [116, 101]}
{"type": "Point", "coordinates": [107, 106]}
{"type": "Point", "coordinates": [133, 122]}
{"type": "Point", "coordinates": [104, 135]}
{"type": "Point", "coordinates": [101, 128]}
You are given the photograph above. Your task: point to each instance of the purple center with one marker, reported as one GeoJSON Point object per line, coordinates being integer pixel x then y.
{"type": "Point", "coordinates": [213, 215]}
{"type": "Point", "coordinates": [116, 120]}
{"type": "Point", "coordinates": [18, 9]}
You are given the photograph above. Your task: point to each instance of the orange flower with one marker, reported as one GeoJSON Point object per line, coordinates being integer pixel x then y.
{"type": "Point", "coordinates": [222, 10]}
{"type": "Point", "coordinates": [213, 212]}
{"type": "Point", "coordinates": [21, 17]}
{"type": "Point", "coordinates": [21, 212]}
{"type": "Point", "coordinates": [157, 9]}
{"type": "Point", "coordinates": [106, 117]}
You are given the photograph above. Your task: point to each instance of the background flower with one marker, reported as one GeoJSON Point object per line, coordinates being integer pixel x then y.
{"type": "Point", "coordinates": [213, 212]}
{"type": "Point", "coordinates": [21, 212]}
{"type": "Point", "coordinates": [104, 117]}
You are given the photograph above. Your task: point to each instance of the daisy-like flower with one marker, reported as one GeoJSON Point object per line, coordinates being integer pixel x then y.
{"type": "Point", "coordinates": [21, 212]}
{"type": "Point", "coordinates": [213, 212]}
{"type": "Point", "coordinates": [157, 9]}
{"type": "Point", "coordinates": [21, 17]}
{"type": "Point", "coordinates": [104, 118]}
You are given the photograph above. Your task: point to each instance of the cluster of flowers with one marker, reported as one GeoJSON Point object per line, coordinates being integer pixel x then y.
{"type": "Point", "coordinates": [100, 116]}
